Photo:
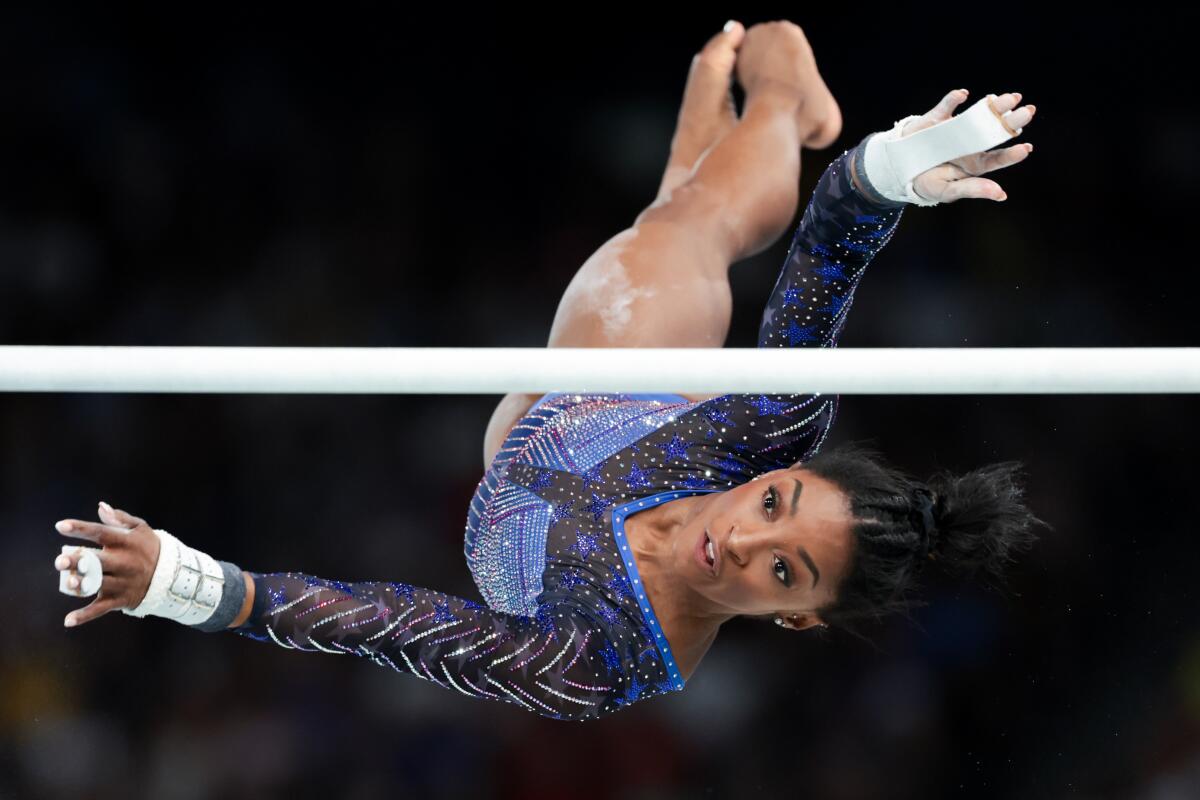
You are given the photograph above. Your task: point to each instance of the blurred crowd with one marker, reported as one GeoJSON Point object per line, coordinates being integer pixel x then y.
{"type": "Point", "coordinates": [378, 178]}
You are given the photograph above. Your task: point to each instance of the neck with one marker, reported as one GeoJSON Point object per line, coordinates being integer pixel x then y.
{"type": "Point", "coordinates": [689, 620]}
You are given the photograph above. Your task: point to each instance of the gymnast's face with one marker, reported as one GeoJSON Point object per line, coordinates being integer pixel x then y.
{"type": "Point", "coordinates": [781, 544]}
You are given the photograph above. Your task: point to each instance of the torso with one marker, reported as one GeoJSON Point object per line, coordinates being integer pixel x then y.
{"type": "Point", "coordinates": [545, 525]}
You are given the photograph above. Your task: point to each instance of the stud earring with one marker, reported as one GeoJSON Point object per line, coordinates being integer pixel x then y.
{"type": "Point", "coordinates": [779, 620]}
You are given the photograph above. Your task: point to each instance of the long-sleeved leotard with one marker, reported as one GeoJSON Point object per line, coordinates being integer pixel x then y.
{"type": "Point", "coordinates": [567, 631]}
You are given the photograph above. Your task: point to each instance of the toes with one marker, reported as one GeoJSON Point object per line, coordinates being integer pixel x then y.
{"type": "Point", "coordinates": [720, 53]}
{"type": "Point", "coordinates": [707, 95]}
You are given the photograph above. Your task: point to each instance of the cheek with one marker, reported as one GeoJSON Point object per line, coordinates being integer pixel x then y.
{"type": "Point", "coordinates": [744, 594]}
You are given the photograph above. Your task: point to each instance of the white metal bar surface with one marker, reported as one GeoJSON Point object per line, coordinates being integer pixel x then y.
{"type": "Point", "coordinates": [498, 370]}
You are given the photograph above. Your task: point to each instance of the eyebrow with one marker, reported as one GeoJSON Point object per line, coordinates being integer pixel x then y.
{"type": "Point", "coordinates": [804, 556]}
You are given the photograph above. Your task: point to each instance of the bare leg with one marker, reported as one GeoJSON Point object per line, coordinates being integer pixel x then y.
{"type": "Point", "coordinates": [664, 281]}
{"type": "Point", "coordinates": [708, 111]}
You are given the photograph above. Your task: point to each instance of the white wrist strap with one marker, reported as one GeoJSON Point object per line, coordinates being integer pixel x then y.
{"type": "Point", "coordinates": [186, 586]}
{"type": "Point", "coordinates": [892, 162]}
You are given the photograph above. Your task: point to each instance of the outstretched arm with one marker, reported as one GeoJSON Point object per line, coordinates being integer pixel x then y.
{"type": "Point", "coordinates": [566, 662]}
{"type": "Point", "coordinates": [840, 233]}
{"type": "Point", "coordinates": [558, 664]}
{"type": "Point", "coordinates": [848, 221]}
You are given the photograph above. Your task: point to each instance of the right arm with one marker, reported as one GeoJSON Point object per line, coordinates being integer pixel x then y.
{"type": "Point", "coordinates": [559, 664]}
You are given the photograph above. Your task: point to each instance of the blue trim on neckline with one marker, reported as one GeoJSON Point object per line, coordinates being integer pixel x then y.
{"type": "Point", "coordinates": [620, 514]}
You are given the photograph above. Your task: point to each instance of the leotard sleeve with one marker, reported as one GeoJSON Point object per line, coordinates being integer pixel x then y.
{"type": "Point", "coordinates": [556, 664]}
{"type": "Point", "coordinates": [840, 233]}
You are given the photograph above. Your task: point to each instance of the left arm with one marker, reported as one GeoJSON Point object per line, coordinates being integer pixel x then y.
{"type": "Point", "coordinates": [840, 233]}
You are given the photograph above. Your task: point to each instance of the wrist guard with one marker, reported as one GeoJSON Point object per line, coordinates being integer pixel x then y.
{"type": "Point", "coordinates": [891, 161]}
{"type": "Point", "coordinates": [187, 586]}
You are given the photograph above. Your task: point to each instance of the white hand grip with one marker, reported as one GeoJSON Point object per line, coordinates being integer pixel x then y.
{"type": "Point", "coordinates": [88, 569]}
{"type": "Point", "coordinates": [892, 162]}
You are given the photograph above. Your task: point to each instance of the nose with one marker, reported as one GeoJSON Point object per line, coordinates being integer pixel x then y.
{"type": "Point", "coordinates": [741, 544]}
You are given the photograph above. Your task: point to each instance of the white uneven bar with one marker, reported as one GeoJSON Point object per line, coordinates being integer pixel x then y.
{"type": "Point", "coordinates": [498, 370]}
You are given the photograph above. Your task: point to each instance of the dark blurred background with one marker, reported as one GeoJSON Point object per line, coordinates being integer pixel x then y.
{"type": "Point", "coordinates": [376, 176]}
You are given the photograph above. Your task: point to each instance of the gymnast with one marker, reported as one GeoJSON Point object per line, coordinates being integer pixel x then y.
{"type": "Point", "coordinates": [613, 534]}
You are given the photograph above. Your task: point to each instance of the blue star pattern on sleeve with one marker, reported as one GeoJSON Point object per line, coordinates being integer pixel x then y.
{"type": "Point", "coordinates": [585, 545]}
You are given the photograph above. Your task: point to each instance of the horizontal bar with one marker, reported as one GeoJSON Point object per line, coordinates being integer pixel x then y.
{"type": "Point", "coordinates": [537, 370]}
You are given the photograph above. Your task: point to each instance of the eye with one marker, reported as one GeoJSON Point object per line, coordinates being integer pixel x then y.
{"type": "Point", "coordinates": [781, 569]}
{"type": "Point", "coordinates": [773, 496]}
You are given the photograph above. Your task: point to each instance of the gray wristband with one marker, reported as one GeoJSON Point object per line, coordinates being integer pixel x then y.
{"type": "Point", "coordinates": [232, 595]}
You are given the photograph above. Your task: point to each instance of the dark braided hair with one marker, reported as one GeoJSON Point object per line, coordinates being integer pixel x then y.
{"type": "Point", "coordinates": [970, 524]}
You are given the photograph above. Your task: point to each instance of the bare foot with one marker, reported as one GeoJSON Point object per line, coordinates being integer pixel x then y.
{"type": "Point", "coordinates": [776, 61]}
{"type": "Point", "coordinates": [708, 111]}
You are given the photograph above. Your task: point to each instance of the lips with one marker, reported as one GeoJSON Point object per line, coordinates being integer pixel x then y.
{"type": "Point", "coordinates": [702, 554]}
{"type": "Point", "coordinates": [716, 549]}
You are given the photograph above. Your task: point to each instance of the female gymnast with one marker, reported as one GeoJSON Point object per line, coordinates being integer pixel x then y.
{"type": "Point", "coordinates": [613, 534]}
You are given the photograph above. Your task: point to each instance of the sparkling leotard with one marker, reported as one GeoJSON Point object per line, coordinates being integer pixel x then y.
{"type": "Point", "coordinates": [567, 631]}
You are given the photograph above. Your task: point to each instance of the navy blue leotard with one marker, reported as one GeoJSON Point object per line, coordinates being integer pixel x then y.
{"type": "Point", "coordinates": [565, 630]}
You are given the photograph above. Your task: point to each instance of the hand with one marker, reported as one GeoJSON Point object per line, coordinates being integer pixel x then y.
{"type": "Point", "coordinates": [128, 556]}
{"type": "Point", "coordinates": [958, 178]}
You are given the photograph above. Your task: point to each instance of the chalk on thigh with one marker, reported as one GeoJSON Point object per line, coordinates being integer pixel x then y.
{"type": "Point", "coordinates": [657, 284]}
{"type": "Point", "coordinates": [661, 283]}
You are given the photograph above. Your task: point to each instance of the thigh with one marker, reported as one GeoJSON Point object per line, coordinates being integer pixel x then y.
{"type": "Point", "coordinates": [508, 413]}
{"type": "Point", "coordinates": [657, 284]}
{"type": "Point", "coordinates": [662, 283]}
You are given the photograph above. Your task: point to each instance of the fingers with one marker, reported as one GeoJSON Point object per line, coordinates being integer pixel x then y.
{"type": "Point", "coordinates": [104, 535]}
{"type": "Point", "coordinates": [1005, 107]}
{"type": "Point", "coordinates": [97, 608]}
{"type": "Point", "coordinates": [1004, 102]}
{"type": "Point", "coordinates": [112, 532]}
{"type": "Point", "coordinates": [945, 107]}
{"type": "Point", "coordinates": [939, 113]}
{"type": "Point", "coordinates": [119, 518]}
{"type": "Point", "coordinates": [1004, 157]}
{"type": "Point", "coordinates": [1019, 118]}
{"type": "Point", "coordinates": [979, 188]}
{"type": "Point", "coordinates": [78, 570]}
{"type": "Point", "coordinates": [72, 560]}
